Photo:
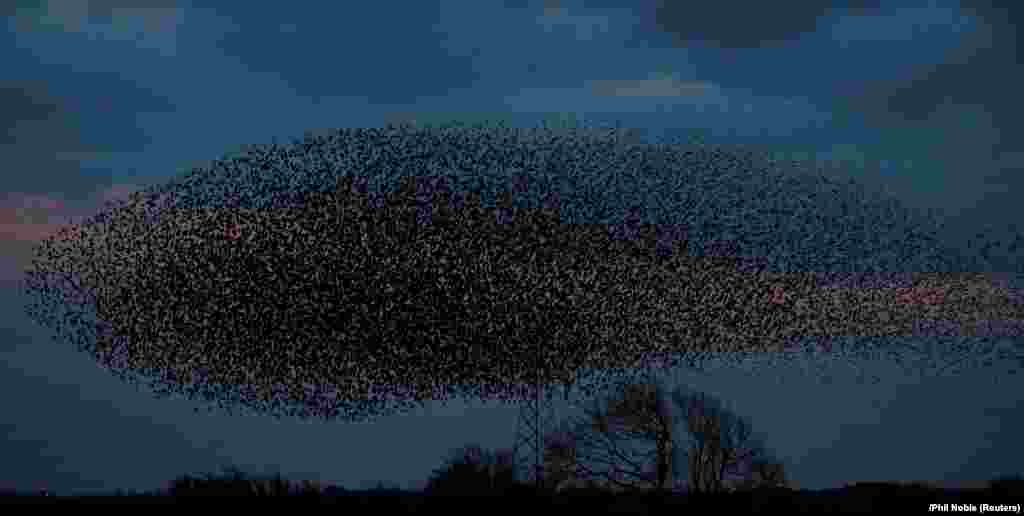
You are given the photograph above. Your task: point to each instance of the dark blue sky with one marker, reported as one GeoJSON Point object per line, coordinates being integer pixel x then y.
{"type": "Point", "coordinates": [105, 97]}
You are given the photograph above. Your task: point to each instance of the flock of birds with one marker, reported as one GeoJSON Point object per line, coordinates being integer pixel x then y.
{"type": "Point", "coordinates": [279, 281]}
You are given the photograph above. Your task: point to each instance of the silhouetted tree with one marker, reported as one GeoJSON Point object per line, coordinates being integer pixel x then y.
{"type": "Point", "coordinates": [559, 460]}
{"type": "Point", "coordinates": [601, 447]}
{"type": "Point", "coordinates": [474, 470]}
{"type": "Point", "coordinates": [629, 441]}
{"type": "Point", "coordinates": [764, 472]}
{"type": "Point", "coordinates": [721, 445]}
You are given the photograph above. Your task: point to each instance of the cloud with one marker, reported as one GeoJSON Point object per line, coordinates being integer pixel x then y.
{"type": "Point", "coordinates": [737, 23]}
{"type": "Point", "coordinates": [31, 115]}
{"type": "Point", "coordinates": [900, 24]}
{"type": "Point", "coordinates": [44, 145]}
{"type": "Point", "coordinates": [967, 104]}
{"type": "Point", "coordinates": [703, 103]}
{"type": "Point", "coordinates": [973, 98]}
{"type": "Point", "coordinates": [58, 132]}
{"type": "Point", "coordinates": [28, 219]}
{"type": "Point", "coordinates": [333, 53]}
{"type": "Point", "coordinates": [149, 23]}
{"type": "Point", "coordinates": [585, 26]}
{"type": "Point", "coordinates": [665, 86]}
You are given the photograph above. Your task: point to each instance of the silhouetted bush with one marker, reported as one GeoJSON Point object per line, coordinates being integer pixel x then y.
{"type": "Point", "coordinates": [1007, 485]}
{"type": "Point", "coordinates": [471, 470]}
{"type": "Point", "coordinates": [234, 482]}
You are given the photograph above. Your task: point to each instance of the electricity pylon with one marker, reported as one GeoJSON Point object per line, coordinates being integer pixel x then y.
{"type": "Point", "coordinates": [535, 418]}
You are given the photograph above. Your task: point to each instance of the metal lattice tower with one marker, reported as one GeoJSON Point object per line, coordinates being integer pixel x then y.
{"type": "Point", "coordinates": [535, 418]}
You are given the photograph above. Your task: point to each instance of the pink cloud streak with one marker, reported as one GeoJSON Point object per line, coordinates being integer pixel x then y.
{"type": "Point", "coordinates": [28, 219]}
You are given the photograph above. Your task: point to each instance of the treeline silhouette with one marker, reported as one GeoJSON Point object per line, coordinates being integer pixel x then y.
{"type": "Point", "coordinates": [720, 443]}
{"type": "Point", "coordinates": [464, 483]}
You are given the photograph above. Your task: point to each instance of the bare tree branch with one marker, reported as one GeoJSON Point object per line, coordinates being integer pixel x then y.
{"type": "Point", "coordinates": [722, 446]}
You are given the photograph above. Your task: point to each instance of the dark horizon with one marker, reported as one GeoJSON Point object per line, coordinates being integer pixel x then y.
{"type": "Point", "coordinates": [921, 103]}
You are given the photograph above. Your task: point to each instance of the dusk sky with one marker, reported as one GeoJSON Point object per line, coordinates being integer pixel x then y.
{"type": "Point", "coordinates": [100, 98]}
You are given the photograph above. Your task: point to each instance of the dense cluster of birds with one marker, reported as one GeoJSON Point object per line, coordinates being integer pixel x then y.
{"type": "Point", "coordinates": [487, 261]}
